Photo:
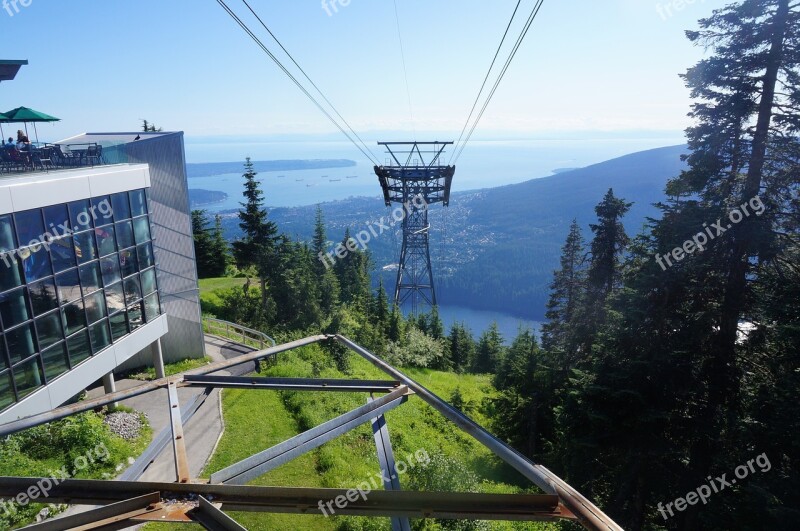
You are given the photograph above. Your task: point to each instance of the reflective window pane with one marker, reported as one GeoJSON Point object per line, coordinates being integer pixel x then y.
{"type": "Point", "coordinates": [28, 378]}
{"type": "Point", "coordinates": [127, 260]}
{"type": "Point", "coordinates": [110, 267]}
{"type": "Point", "coordinates": [119, 325]}
{"type": "Point", "coordinates": [115, 300]}
{"type": "Point", "coordinates": [141, 229]}
{"type": "Point", "coordinates": [95, 307]}
{"type": "Point", "coordinates": [35, 262]}
{"type": "Point", "coordinates": [151, 307]}
{"type": "Point", "coordinates": [55, 361]}
{"type": "Point", "coordinates": [90, 277]}
{"type": "Point", "coordinates": [7, 236]}
{"type": "Point", "coordinates": [124, 234]}
{"type": "Point", "coordinates": [102, 211]}
{"type": "Point", "coordinates": [133, 289]}
{"type": "Point", "coordinates": [69, 288]}
{"type": "Point", "coordinates": [56, 219]}
{"type": "Point", "coordinates": [136, 315]}
{"type": "Point", "coordinates": [138, 203]}
{"type": "Point", "coordinates": [49, 329]}
{"type": "Point", "coordinates": [80, 215]}
{"type": "Point", "coordinates": [30, 227]}
{"type": "Point", "coordinates": [6, 391]}
{"type": "Point", "coordinates": [145, 253]}
{"type": "Point", "coordinates": [11, 272]}
{"type": "Point", "coordinates": [21, 343]}
{"type": "Point", "coordinates": [14, 308]}
{"type": "Point", "coordinates": [74, 317]}
{"type": "Point", "coordinates": [101, 337]}
{"type": "Point", "coordinates": [78, 346]}
{"type": "Point", "coordinates": [62, 251]}
{"type": "Point", "coordinates": [106, 243]}
{"type": "Point", "coordinates": [119, 203]}
{"type": "Point", "coordinates": [43, 296]}
{"type": "Point", "coordinates": [85, 247]}
{"type": "Point", "coordinates": [148, 281]}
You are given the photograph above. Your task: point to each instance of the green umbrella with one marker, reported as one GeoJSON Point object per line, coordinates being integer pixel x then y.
{"type": "Point", "coordinates": [25, 115]}
{"type": "Point", "coordinates": [3, 119]}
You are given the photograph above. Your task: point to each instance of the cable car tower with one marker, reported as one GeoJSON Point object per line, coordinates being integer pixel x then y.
{"type": "Point", "coordinates": [415, 178]}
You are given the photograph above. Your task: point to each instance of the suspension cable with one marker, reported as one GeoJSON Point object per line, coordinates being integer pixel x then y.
{"type": "Point", "coordinates": [299, 85]}
{"type": "Point", "coordinates": [405, 70]}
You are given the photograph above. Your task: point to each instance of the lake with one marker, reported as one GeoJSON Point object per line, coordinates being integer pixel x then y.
{"type": "Point", "coordinates": [478, 321]}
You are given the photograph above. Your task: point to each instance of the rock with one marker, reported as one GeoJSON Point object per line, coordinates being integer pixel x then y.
{"type": "Point", "coordinates": [126, 425]}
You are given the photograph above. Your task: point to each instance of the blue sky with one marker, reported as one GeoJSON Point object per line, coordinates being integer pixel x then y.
{"type": "Point", "coordinates": [587, 67]}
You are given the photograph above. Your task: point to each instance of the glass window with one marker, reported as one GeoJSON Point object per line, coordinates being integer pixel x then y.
{"type": "Point", "coordinates": [35, 262]}
{"type": "Point", "coordinates": [90, 277]}
{"type": "Point", "coordinates": [6, 391]}
{"type": "Point", "coordinates": [14, 308]}
{"type": "Point", "coordinates": [69, 287]}
{"type": "Point", "coordinates": [102, 211]}
{"type": "Point", "coordinates": [7, 240]}
{"type": "Point", "coordinates": [136, 315]}
{"type": "Point", "coordinates": [105, 240]}
{"type": "Point", "coordinates": [119, 325]}
{"type": "Point", "coordinates": [49, 329]}
{"type": "Point", "coordinates": [122, 209]}
{"type": "Point", "coordinates": [110, 268]}
{"type": "Point", "coordinates": [80, 215]}
{"type": "Point", "coordinates": [101, 337]}
{"type": "Point", "coordinates": [95, 307]}
{"type": "Point", "coordinates": [124, 234]}
{"type": "Point", "coordinates": [85, 247]}
{"type": "Point", "coordinates": [62, 252]}
{"type": "Point", "coordinates": [74, 317]}
{"type": "Point", "coordinates": [55, 361]}
{"type": "Point", "coordinates": [30, 226]}
{"type": "Point", "coordinates": [141, 229]}
{"type": "Point", "coordinates": [43, 296]}
{"type": "Point", "coordinates": [151, 307]}
{"type": "Point", "coordinates": [11, 275]}
{"type": "Point", "coordinates": [138, 203]}
{"type": "Point", "coordinates": [56, 219]}
{"type": "Point", "coordinates": [133, 290]}
{"type": "Point", "coordinates": [128, 261]}
{"type": "Point", "coordinates": [115, 300]}
{"type": "Point", "coordinates": [145, 256]}
{"type": "Point", "coordinates": [148, 281]}
{"type": "Point", "coordinates": [78, 346]}
{"type": "Point", "coordinates": [28, 377]}
{"type": "Point", "coordinates": [21, 343]}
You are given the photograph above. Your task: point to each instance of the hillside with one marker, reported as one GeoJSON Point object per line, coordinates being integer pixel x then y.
{"type": "Point", "coordinates": [500, 245]}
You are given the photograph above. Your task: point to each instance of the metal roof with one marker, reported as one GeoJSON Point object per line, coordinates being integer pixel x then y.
{"type": "Point", "coordinates": [9, 68]}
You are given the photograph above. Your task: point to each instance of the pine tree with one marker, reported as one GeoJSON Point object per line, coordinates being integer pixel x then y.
{"type": "Point", "coordinates": [221, 249]}
{"type": "Point", "coordinates": [435, 325]}
{"type": "Point", "coordinates": [608, 247]}
{"type": "Point", "coordinates": [462, 347]}
{"type": "Point", "coordinates": [489, 353]}
{"type": "Point", "coordinates": [203, 245]}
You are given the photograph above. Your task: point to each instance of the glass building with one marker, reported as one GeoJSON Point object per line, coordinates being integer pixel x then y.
{"type": "Point", "coordinates": [75, 279]}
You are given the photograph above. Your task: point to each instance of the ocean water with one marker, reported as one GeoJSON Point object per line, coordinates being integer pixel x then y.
{"type": "Point", "coordinates": [478, 321]}
{"type": "Point", "coordinates": [484, 164]}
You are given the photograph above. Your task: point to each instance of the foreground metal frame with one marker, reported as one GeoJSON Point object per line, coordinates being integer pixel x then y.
{"type": "Point", "coordinates": [128, 502]}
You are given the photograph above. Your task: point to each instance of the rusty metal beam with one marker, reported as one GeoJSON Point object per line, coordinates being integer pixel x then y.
{"type": "Point", "coordinates": [103, 516]}
{"type": "Point", "coordinates": [391, 478]}
{"type": "Point", "coordinates": [450, 505]}
{"type": "Point", "coordinates": [589, 514]}
{"type": "Point", "coordinates": [271, 458]}
{"type": "Point", "coordinates": [293, 384]}
{"type": "Point", "coordinates": [213, 519]}
{"type": "Point", "coordinates": [178, 443]}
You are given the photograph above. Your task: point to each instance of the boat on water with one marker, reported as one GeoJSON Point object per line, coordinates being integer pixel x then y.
{"type": "Point", "coordinates": [299, 180]}
{"type": "Point", "coordinates": [352, 176]}
{"type": "Point", "coordinates": [335, 180]}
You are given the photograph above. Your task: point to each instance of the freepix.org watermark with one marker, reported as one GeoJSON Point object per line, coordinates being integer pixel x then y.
{"type": "Point", "coordinates": [332, 6]}
{"type": "Point", "coordinates": [41, 490]}
{"type": "Point", "coordinates": [669, 9]}
{"type": "Point", "coordinates": [419, 458]}
{"type": "Point", "coordinates": [373, 230]}
{"type": "Point", "coordinates": [62, 230]}
{"type": "Point", "coordinates": [715, 486]}
{"type": "Point", "coordinates": [12, 6]}
{"type": "Point", "coordinates": [700, 240]}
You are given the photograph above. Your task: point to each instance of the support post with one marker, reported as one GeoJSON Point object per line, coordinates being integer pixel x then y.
{"type": "Point", "coordinates": [110, 386]}
{"type": "Point", "coordinates": [391, 479]}
{"type": "Point", "coordinates": [178, 443]}
{"type": "Point", "coordinates": [158, 360]}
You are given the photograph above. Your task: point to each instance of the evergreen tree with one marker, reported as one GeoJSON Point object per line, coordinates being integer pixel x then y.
{"type": "Point", "coordinates": [462, 347]}
{"type": "Point", "coordinates": [489, 353]}
{"type": "Point", "coordinates": [203, 245]}
{"type": "Point", "coordinates": [435, 325]}
{"type": "Point", "coordinates": [608, 247]}
{"type": "Point", "coordinates": [353, 272]}
{"type": "Point", "coordinates": [221, 249]}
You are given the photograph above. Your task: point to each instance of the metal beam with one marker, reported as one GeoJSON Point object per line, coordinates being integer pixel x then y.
{"type": "Point", "coordinates": [89, 405]}
{"type": "Point", "coordinates": [162, 440]}
{"type": "Point", "coordinates": [451, 505]}
{"type": "Point", "coordinates": [261, 463]}
{"type": "Point", "coordinates": [213, 519]}
{"type": "Point", "coordinates": [589, 514]}
{"type": "Point", "coordinates": [391, 479]}
{"type": "Point", "coordinates": [293, 384]}
{"type": "Point", "coordinates": [103, 516]}
{"type": "Point", "coordinates": [178, 443]}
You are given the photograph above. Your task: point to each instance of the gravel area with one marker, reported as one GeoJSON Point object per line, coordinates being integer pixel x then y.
{"type": "Point", "coordinates": [126, 425]}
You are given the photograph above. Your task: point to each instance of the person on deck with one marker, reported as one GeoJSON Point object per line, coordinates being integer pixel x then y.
{"type": "Point", "coordinates": [22, 141]}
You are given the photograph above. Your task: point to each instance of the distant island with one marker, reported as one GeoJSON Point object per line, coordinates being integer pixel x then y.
{"type": "Point", "coordinates": [209, 169]}
{"type": "Point", "coordinates": [199, 198]}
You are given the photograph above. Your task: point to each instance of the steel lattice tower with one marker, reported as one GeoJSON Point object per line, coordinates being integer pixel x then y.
{"type": "Point", "coordinates": [416, 184]}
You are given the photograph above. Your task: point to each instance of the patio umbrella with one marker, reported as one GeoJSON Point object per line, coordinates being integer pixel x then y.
{"type": "Point", "coordinates": [3, 119]}
{"type": "Point", "coordinates": [25, 115]}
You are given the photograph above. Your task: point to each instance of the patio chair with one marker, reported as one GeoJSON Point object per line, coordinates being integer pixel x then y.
{"type": "Point", "coordinates": [94, 154]}
{"type": "Point", "coordinates": [43, 157]}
